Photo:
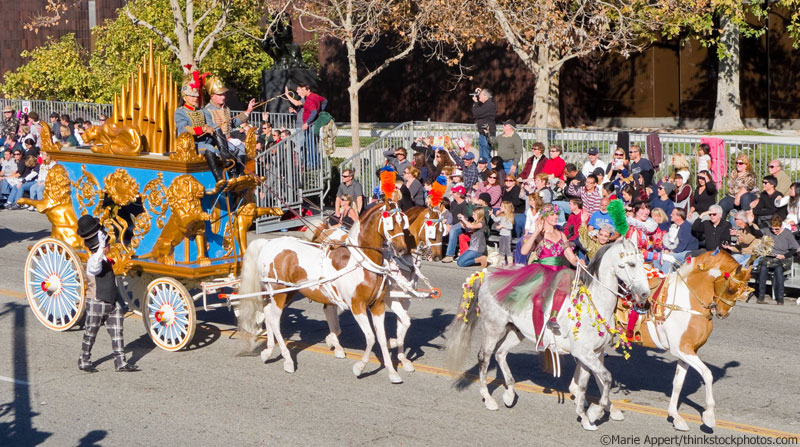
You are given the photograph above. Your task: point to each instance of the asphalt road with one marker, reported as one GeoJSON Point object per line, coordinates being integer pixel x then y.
{"type": "Point", "coordinates": [207, 395]}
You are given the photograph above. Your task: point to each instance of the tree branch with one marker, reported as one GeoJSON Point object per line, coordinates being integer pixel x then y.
{"type": "Point", "coordinates": [162, 36]}
{"type": "Point", "coordinates": [387, 62]}
{"type": "Point", "coordinates": [208, 42]}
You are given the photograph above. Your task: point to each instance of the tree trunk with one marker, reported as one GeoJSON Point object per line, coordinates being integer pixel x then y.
{"type": "Point", "coordinates": [546, 111]}
{"type": "Point", "coordinates": [353, 93]}
{"type": "Point", "coordinates": [728, 110]}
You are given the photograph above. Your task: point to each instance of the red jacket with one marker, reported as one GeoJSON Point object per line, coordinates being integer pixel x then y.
{"type": "Point", "coordinates": [526, 171]}
{"type": "Point", "coordinates": [313, 103]}
{"type": "Point", "coordinates": [555, 167]}
{"type": "Point", "coordinates": [571, 227]}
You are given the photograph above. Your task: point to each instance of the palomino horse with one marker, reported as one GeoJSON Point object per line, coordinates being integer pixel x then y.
{"type": "Point", "coordinates": [349, 275]}
{"type": "Point", "coordinates": [680, 318]}
{"type": "Point", "coordinates": [502, 329]}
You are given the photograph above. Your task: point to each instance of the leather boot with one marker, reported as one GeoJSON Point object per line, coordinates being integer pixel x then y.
{"type": "Point", "coordinates": [221, 141]}
{"type": "Point", "coordinates": [214, 165]}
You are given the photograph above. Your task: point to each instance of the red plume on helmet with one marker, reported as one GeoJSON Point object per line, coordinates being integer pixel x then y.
{"type": "Point", "coordinates": [437, 190]}
{"type": "Point", "coordinates": [388, 177]}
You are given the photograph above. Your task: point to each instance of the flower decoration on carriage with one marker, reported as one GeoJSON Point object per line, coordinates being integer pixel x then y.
{"type": "Point", "coordinates": [437, 190]}
{"type": "Point", "coordinates": [388, 177]}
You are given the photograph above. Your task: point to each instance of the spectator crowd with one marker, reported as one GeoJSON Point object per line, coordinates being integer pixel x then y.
{"type": "Point", "coordinates": [497, 195]}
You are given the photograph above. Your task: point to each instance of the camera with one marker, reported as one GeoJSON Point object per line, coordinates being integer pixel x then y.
{"type": "Point", "coordinates": [476, 92]}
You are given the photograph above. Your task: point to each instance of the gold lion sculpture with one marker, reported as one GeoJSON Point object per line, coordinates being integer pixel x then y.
{"type": "Point", "coordinates": [187, 221]}
{"type": "Point", "coordinates": [56, 204]}
{"type": "Point", "coordinates": [113, 139]}
{"type": "Point", "coordinates": [185, 149]}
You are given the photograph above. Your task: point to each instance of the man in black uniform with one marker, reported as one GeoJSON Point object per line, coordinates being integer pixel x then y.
{"type": "Point", "coordinates": [103, 303]}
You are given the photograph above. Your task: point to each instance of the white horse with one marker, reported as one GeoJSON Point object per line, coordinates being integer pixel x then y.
{"type": "Point", "coordinates": [503, 330]}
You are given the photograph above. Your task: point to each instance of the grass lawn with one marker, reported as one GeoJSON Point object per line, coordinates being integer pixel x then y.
{"type": "Point", "coordinates": [756, 133]}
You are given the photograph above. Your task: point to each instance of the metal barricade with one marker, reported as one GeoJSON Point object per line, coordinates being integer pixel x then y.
{"type": "Point", "coordinates": [296, 178]}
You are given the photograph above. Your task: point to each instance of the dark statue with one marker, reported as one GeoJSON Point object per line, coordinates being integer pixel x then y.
{"type": "Point", "coordinates": [281, 47]}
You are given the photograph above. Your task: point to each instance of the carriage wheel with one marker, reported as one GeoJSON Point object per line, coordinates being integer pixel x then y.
{"type": "Point", "coordinates": [168, 314]}
{"type": "Point", "coordinates": [54, 284]}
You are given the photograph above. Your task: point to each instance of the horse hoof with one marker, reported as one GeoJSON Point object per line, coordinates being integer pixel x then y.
{"type": "Point", "coordinates": [588, 425]}
{"type": "Point", "coordinates": [358, 368]}
{"type": "Point", "coordinates": [392, 343]}
{"type": "Point", "coordinates": [329, 341]}
{"type": "Point", "coordinates": [395, 378]}
{"type": "Point", "coordinates": [709, 419]}
{"type": "Point", "coordinates": [266, 354]}
{"type": "Point", "coordinates": [288, 366]}
{"type": "Point", "coordinates": [491, 404]}
{"type": "Point", "coordinates": [408, 366]}
{"type": "Point", "coordinates": [509, 397]}
{"type": "Point", "coordinates": [680, 424]}
{"type": "Point", "coordinates": [339, 353]}
{"type": "Point", "coordinates": [616, 415]}
{"type": "Point", "coordinates": [594, 412]}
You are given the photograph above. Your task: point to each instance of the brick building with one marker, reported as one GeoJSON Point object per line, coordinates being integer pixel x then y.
{"type": "Point", "coordinates": [78, 19]}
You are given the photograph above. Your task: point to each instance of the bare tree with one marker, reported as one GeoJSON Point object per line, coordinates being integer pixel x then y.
{"type": "Point", "coordinates": [545, 35]}
{"type": "Point", "coordinates": [359, 25]}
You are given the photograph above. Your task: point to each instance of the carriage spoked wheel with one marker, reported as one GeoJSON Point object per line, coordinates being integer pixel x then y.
{"type": "Point", "coordinates": [55, 284]}
{"type": "Point", "coordinates": [168, 314]}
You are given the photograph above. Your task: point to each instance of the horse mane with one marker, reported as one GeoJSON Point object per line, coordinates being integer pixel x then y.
{"type": "Point", "coordinates": [594, 266]}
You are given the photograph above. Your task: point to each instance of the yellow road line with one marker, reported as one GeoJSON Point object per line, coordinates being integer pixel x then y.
{"type": "Point", "coordinates": [529, 388]}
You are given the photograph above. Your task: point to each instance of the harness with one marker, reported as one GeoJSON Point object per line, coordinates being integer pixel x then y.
{"type": "Point", "coordinates": [429, 229]}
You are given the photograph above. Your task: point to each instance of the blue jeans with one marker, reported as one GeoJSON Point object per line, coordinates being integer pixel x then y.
{"type": "Point", "coordinates": [310, 154]}
{"type": "Point", "coordinates": [667, 267]}
{"type": "Point", "coordinates": [468, 258]}
{"type": "Point", "coordinates": [507, 166]}
{"type": "Point", "coordinates": [519, 224]}
{"type": "Point", "coordinates": [763, 274]}
{"type": "Point", "coordinates": [519, 258]}
{"type": "Point", "coordinates": [452, 241]}
{"type": "Point", "coordinates": [5, 188]}
{"type": "Point", "coordinates": [741, 258]}
{"type": "Point", "coordinates": [18, 191]}
{"type": "Point", "coordinates": [483, 147]}
{"type": "Point", "coordinates": [37, 190]}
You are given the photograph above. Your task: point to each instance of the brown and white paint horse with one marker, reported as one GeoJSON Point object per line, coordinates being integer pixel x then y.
{"type": "Point", "coordinates": [680, 319]}
{"type": "Point", "coordinates": [349, 276]}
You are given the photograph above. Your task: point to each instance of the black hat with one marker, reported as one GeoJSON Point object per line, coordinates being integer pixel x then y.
{"type": "Point", "coordinates": [88, 227]}
{"type": "Point", "coordinates": [510, 123]}
{"type": "Point", "coordinates": [485, 197]}
{"type": "Point", "coordinates": [593, 151]}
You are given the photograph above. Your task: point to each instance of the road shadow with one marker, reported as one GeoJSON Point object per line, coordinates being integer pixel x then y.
{"type": "Point", "coordinates": [422, 332]}
{"type": "Point", "coordinates": [93, 438]}
{"type": "Point", "coordinates": [8, 235]}
{"type": "Point", "coordinates": [19, 430]}
{"type": "Point", "coordinates": [134, 350]}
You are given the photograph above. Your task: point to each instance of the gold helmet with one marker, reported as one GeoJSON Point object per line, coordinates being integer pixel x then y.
{"type": "Point", "coordinates": [188, 87]}
{"type": "Point", "coordinates": [215, 86]}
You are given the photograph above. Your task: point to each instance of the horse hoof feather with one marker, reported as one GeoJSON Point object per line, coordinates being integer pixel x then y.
{"type": "Point", "coordinates": [339, 353]}
{"type": "Point", "coordinates": [617, 415]}
{"type": "Point", "coordinates": [490, 404]}
{"type": "Point", "coordinates": [358, 367]}
{"type": "Point", "coordinates": [288, 366]}
{"type": "Point", "coordinates": [680, 424]}
{"type": "Point", "coordinates": [395, 378]}
{"type": "Point", "coordinates": [588, 425]}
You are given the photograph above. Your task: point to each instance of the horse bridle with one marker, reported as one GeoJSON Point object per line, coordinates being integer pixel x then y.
{"type": "Point", "coordinates": [387, 223]}
{"type": "Point", "coordinates": [623, 255]}
{"type": "Point", "coordinates": [438, 223]}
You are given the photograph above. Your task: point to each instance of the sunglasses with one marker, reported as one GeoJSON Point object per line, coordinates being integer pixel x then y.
{"type": "Point", "coordinates": [776, 229]}
{"type": "Point", "coordinates": [712, 214]}
{"type": "Point", "coordinates": [773, 167]}
{"type": "Point", "coordinates": [764, 182]}
{"type": "Point", "coordinates": [492, 177]}
{"type": "Point", "coordinates": [740, 162]}
{"type": "Point", "coordinates": [346, 176]}
{"type": "Point", "coordinates": [508, 180]}
{"type": "Point", "coordinates": [619, 155]}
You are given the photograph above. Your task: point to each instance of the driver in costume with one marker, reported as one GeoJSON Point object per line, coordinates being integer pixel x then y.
{"type": "Point", "coordinates": [190, 118]}
{"type": "Point", "coordinates": [218, 117]}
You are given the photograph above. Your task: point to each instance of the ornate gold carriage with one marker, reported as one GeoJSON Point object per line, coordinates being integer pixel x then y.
{"type": "Point", "coordinates": [172, 227]}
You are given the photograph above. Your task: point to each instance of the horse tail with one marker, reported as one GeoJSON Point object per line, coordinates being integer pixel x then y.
{"type": "Point", "coordinates": [251, 308]}
{"type": "Point", "coordinates": [460, 331]}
